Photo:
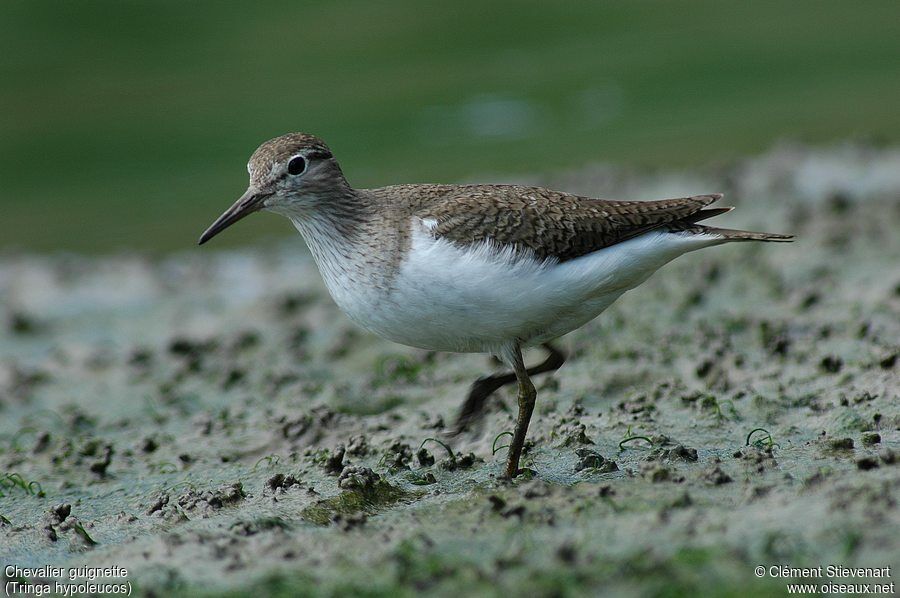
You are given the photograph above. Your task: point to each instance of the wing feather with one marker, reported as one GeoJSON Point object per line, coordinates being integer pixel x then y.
{"type": "Point", "coordinates": [551, 225]}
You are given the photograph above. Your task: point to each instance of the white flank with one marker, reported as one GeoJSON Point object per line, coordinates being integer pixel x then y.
{"type": "Point", "coordinates": [477, 299]}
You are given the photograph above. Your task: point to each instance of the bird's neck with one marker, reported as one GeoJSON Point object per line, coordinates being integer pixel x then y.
{"type": "Point", "coordinates": [343, 235]}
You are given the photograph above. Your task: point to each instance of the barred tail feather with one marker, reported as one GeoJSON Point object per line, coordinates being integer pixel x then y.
{"type": "Point", "coordinates": [689, 225]}
{"type": "Point", "coordinates": [729, 234]}
{"type": "Point", "coordinates": [707, 213]}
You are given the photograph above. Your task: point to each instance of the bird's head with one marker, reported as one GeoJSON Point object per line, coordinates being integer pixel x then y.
{"type": "Point", "coordinates": [291, 175]}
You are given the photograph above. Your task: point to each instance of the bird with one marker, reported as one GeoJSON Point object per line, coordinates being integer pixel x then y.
{"type": "Point", "coordinates": [472, 268]}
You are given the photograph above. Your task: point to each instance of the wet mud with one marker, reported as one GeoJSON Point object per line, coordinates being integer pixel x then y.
{"type": "Point", "coordinates": [211, 422]}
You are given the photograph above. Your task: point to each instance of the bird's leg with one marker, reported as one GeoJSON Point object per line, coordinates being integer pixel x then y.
{"type": "Point", "coordinates": [527, 395]}
{"type": "Point", "coordinates": [473, 406]}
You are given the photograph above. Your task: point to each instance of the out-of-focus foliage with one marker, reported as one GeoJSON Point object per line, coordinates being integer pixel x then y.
{"type": "Point", "coordinates": [127, 124]}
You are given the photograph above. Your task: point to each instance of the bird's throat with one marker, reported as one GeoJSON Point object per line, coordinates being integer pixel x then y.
{"type": "Point", "coordinates": [344, 241]}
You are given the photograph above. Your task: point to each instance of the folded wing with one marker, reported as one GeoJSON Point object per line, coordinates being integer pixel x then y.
{"type": "Point", "coordinates": [553, 225]}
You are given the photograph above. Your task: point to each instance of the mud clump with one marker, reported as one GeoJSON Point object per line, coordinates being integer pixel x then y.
{"type": "Point", "coordinates": [592, 460]}
{"type": "Point", "coordinates": [831, 364]}
{"type": "Point", "coordinates": [454, 462]}
{"type": "Point", "coordinates": [279, 483]}
{"type": "Point", "coordinates": [758, 458]}
{"type": "Point", "coordinates": [308, 428]}
{"type": "Point", "coordinates": [657, 473]}
{"type": "Point", "coordinates": [572, 434]}
{"type": "Point", "coordinates": [397, 456]}
{"type": "Point", "coordinates": [259, 525]}
{"type": "Point", "coordinates": [100, 466]}
{"type": "Point", "coordinates": [716, 476]}
{"type": "Point", "coordinates": [334, 462]}
{"type": "Point", "coordinates": [871, 438]}
{"type": "Point", "coordinates": [156, 506]}
{"type": "Point", "coordinates": [22, 323]}
{"type": "Point", "coordinates": [358, 446]}
{"type": "Point", "coordinates": [424, 458]}
{"type": "Point", "coordinates": [212, 500]}
{"type": "Point", "coordinates": [59, 513]}
{"type": "Point", "coordinates": [362, 479]}
{"type": "Point", "coordinates": [499, 506]}
{"type": "Point", "coordinates": [677, 453]}
{"type": "Point", "coordinates": [867, 463]}
{"type": "Point", "coordinates": [840, 444]}
{"type": "Point", "coordinates": [59, 520]}
{"type": "Point", "coordinates": [364, 492]}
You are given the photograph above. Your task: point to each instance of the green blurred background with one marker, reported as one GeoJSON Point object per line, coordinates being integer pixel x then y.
{"type": "Point", "coordinates": [127, 125]}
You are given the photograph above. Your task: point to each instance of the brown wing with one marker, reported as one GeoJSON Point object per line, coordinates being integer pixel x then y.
{"type": "Point", "coordinates": [551, 224]}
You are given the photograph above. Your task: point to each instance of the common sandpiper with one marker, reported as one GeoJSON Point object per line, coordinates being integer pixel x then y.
{"type": "Point", "coordinates": [472, 268]}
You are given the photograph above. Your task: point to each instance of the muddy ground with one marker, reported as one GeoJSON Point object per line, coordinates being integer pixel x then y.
{"type": "Point", "coordinates": [210, 421]}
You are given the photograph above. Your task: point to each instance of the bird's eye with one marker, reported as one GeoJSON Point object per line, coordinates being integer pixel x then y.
{"type": "Point", "coordinates": [297, 165]}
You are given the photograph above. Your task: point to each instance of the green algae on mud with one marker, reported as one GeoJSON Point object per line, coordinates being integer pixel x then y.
{"type": "Point", "coordinates": [358, 501]}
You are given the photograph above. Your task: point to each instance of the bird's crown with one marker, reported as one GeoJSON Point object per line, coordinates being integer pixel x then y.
{"type": "Point", "coordinates": [285, 147]}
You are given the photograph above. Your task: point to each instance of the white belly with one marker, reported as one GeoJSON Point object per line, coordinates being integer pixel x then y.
{"type": "Point", "coordinates": [447, 298]}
